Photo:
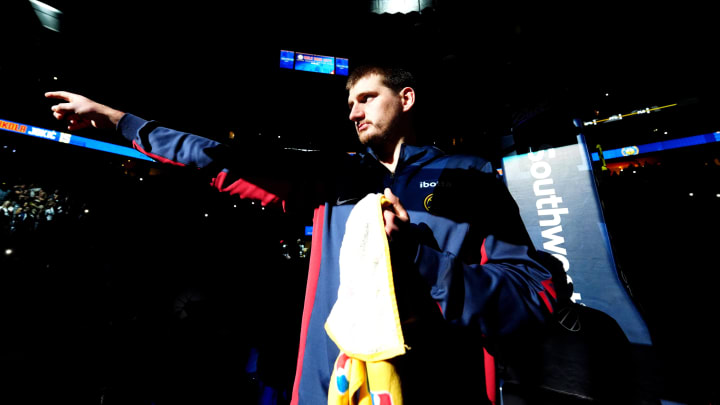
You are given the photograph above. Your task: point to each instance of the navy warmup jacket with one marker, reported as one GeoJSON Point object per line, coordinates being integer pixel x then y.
{"type": "Point", "coordinates": [466, 274]}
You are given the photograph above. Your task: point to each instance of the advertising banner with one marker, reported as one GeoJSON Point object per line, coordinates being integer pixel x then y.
{"type": "Point", "coordinates": [560, 206]}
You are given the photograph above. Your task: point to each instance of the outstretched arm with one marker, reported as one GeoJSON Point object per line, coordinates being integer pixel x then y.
{"type": "Point", "coordinates": [269, 184]}
{"type": "Point", "coordinates": [163, 144]}
{"type": "Point", "coordinates": [81, 112]}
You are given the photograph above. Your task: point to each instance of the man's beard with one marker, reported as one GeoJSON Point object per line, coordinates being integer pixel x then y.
{"type": "Point", "coordinates": [376, 140]}
{"type": "Point", "coordinates": [379, 140]}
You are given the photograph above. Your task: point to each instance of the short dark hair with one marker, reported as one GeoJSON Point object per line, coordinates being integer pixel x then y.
{"type": "Point", "coordinates": [393, 77]}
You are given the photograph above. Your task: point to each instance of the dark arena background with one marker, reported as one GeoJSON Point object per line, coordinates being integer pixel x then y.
{"type": "Point", "coordinates": [128, 281]}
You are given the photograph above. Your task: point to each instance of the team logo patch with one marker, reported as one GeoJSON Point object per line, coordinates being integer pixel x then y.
{"type": "Point", "coordinates": [428, 202]}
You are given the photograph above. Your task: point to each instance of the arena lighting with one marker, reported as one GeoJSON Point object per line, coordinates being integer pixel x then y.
{"type": "Point", "coordinates": [658, 146]}
{"type": "Point", "coordinates": [62, 137]}
{"type": "Point", "coordinates": [619, 117]}
{"type": "Point", "coordinates": [49, 16]}
{"type": "Point", "coordinates": [399, 6]}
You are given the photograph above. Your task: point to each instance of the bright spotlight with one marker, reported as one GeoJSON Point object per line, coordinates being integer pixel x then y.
{"type": "Point", "coordinates": [49, 16]}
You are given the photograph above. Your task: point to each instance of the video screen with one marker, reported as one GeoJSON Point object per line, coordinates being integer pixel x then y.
{"type": "Point", "coordinates": [309, 62]}
{"type": "Point", "coordinates": [314, 63]}
{"type": "Point", "coordinates": [341, 66]}
{"type": "Point", "coordinates": [287, 59]}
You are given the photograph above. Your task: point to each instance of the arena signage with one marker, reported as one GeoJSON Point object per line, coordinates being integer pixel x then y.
{"type": "Point", "coordinates": [559, 203]}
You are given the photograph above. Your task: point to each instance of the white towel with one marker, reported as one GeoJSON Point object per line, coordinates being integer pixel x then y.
{"type": "Point", "coordinates": [364, 322]}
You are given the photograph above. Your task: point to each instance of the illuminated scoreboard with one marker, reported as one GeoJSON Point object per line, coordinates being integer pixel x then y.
{"type": "Point", "coordinates": [70, 139]}
{"type": "Point", "coordinates": [309, 62]}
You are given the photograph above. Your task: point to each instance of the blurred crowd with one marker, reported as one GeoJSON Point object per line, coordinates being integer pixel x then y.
{"type": "Point", "coordinates": [29, 207]}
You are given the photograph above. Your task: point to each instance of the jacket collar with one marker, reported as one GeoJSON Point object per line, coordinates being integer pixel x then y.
{"type": "Point", "coordinates": [409, 155]}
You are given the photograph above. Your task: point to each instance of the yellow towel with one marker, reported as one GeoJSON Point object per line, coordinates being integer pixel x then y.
{"type": "Point", "coordinates": [359, 382]}
{"type": "Point", "coordinates": [364, 322]}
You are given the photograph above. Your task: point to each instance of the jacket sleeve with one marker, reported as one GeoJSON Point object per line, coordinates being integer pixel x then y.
{"type": "Point", "coordinates": [183, 149]}
{"type": "Point", "coordinates": [507, 291]}
{"type": "Point", "coordinates": [503, 284]}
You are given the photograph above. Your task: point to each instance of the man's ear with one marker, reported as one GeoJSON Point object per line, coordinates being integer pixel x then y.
{"type": "Point", "coordinates": [407, 97]}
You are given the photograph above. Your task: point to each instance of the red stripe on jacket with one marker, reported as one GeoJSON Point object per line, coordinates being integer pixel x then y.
{"type": "Point", "coordinates": [313, 274]}
{"type": "Point", "coordinates": [242, 188]}
{"type": "Point", "coordinates": [159, 158]}
{"type": "Point", "coordinates": [550, 288]}
{"type": "Point", "coordinates": [246, 189]}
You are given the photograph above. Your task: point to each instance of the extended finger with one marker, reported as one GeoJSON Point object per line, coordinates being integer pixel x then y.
{"type": "Point", "coordinates": [62, 95]}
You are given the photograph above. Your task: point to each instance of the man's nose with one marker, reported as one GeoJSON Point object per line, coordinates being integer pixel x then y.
{"type": "Point", "coordinates": [356, 113]}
